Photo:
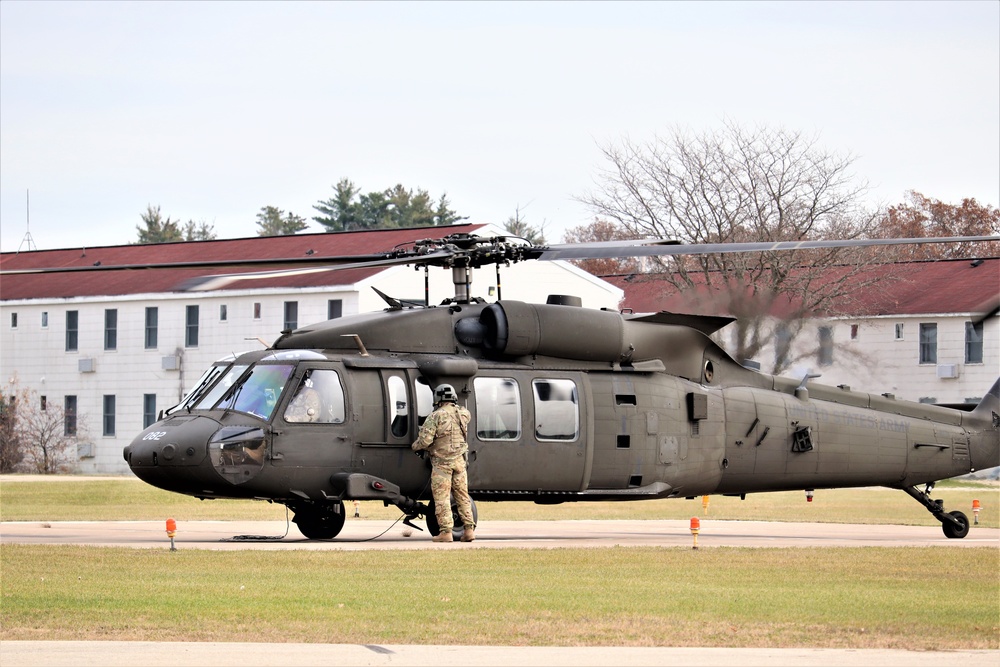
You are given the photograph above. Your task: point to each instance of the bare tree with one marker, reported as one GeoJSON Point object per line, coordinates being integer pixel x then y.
{"type": "Point", "coordinates": [46, 440]}
{"type": "Point", "coordinates": [11, 447]}
{"type": "Point", "coordinates": [740, 185]}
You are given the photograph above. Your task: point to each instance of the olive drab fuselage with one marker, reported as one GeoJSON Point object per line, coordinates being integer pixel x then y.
{"type": "Point", "coordinates": [567, 404]}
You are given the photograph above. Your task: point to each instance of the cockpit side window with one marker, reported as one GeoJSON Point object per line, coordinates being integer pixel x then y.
{"type": "Point", "coordinates": [319, 399]}
{"type": "Point", "coordinates": [498, 409]}
{"type": "Point", "coordinates": [399, 412]}
{"type": "Point", "coordinates": [425, 400]}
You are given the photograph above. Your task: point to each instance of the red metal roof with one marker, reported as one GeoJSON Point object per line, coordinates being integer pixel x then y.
{"type": "Point", "coordinates": [140, 280]}
{"type": "Point", "coordinates": [907, 288]}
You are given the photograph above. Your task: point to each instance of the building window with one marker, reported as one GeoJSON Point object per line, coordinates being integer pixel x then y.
{"type": "Point", "coordinates": [109, 415]}
{"type": "Point", "coordinates": [45, 319]}
{"type": "Point", "coordinates": [928, 343]}
{"type": "Point", "coordinates": [334, 309]}
{"type": "Point", "coordinates": [974, 342]}
{"type": "Point", "coordinates": [152, 327]}
{"type": "Point", "coordinates": [291, 316]}
{"type": "Point", "coordinates": [13, 320]}
{"type": "Point", "coordinates": [72, 330]}
{"type": "Point", "coordinates": [782, 343]}
{"type": "Point", "coordinates": [191, 327]}
{"type": "Point", "coordinates": [111, 329]}
{"type": "Point", "coordinates": [855, 329]}
{"type": "Point", "coordinates": [148, 410]}
{"type": "Point", "coordinates": [825, 356]}
{"type": "Point", "coordinates": [899, 331]}
{"type": "Point", "coordinates": [69, 415]}
{"type": "Point", "coordinates": [223, 313]}
{"type": "Point", "coordinates": [44, 403]}
{"type": "Point", "coordinates": [256, 310]}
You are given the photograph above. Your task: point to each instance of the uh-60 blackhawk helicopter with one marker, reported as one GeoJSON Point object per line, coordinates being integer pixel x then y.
{"type": "Point", "coordinates": [568, 404]}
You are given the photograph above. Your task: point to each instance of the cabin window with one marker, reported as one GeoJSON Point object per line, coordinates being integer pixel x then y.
{"type": "Point", "coordinates": [45, 319]}
{"type": "Point", "coordinates": [223, 313]}
{"type": "Point", "coordinates": [974, 342]}
{"type": "Point", "coordinates": [928, 343]}
{"type": "Point", "coordinates": [334, 309]}
{"type": "Point", "coordinates": [557, 410]}
{"type": "Point", "coordinates": [319, 399]}
{"type": "Point", "coordinates": [260, 391]}
{"type": "Point", "coordinates": [899, 331]}
{"type": "Point", "coordinates": [13, 320]}
{"type": "Point", "coordinates": [399, 411]}
{"type": "Point", "coordinates": [498, 409]}
{"type": "Point", "coordinates": [256, 310]}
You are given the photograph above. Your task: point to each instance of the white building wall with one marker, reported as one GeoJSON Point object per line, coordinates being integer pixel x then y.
{"type": "Point", "coordinates": [37, 358]}
{"type": "Point", "coordinates": [877, 362]}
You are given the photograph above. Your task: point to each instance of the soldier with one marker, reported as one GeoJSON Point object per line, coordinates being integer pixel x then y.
{"type": "Point", "coordinates": [443, 435]}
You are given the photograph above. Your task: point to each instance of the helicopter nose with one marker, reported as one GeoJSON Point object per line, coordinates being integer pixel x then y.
{"type": "Point", "coordinates": [176, 441]}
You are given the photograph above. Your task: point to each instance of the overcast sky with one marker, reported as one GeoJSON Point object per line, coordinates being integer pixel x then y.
{"type": "Point", "coordinates": [214, 110]}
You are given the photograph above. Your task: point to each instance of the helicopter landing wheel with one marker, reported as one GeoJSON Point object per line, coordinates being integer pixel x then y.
{"type": "Point", "coordinates": [433, 527]}
{"type": "Point", "coordinates": [956, 531]}
{"type": "Point", "coordinates": [321, 522]}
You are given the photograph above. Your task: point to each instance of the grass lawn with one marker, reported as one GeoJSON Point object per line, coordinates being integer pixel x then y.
{"type": "Point", "coordinates": [919, 598]}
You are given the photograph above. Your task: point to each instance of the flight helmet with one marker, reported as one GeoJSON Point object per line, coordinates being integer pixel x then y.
{"type": "Point", "coordinates": [445, 393]}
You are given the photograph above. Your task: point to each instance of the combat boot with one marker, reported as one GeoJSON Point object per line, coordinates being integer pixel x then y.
{"type": "Point", "coordinates": [469, 534]}
{"type": "Point", "coordinates": [443, 536]}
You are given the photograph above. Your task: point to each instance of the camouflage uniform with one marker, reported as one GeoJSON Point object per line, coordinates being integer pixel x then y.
{"type": "Point", "coordinates": [443, 436]}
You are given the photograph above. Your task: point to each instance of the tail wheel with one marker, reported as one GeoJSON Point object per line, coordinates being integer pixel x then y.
{"type": "Point", "coordinates": [320, 522]}
{"type": "Point", "coordinates": [956, 531]}
{"type": "Point", "coordinates": [433, 527]}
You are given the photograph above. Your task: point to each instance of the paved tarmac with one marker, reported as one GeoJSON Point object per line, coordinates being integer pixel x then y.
{"type": "Point", "coordinates": [157, 654]}
{"type": "Point", "coordinates": [365, 535]}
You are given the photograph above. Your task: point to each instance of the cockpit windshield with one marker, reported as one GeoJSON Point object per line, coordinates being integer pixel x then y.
{"type": "Point", "coordinates": [258, 392]}
{"type": "Point", "coordinates": [203, 383]}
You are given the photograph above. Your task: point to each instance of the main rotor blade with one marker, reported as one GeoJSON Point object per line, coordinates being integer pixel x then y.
{"type": "Point", "coordinates": [646, 248]}
{"type": "Point", "coordinates": [218, 281]}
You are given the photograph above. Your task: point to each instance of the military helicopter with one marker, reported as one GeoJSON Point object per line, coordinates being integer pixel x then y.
{"type": "Point", "coordinates": [569, 405]}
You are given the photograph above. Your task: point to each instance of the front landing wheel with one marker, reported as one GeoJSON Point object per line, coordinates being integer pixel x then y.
{"type": "Point", "coordinates": [954, 531]}
{"type": "Point", "coordinates": [320, 522]}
